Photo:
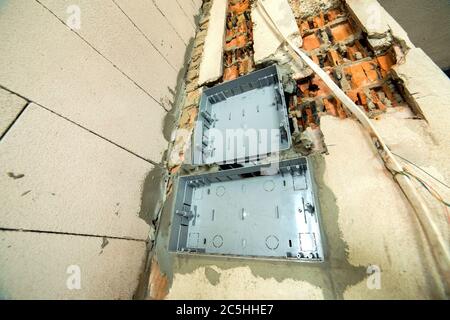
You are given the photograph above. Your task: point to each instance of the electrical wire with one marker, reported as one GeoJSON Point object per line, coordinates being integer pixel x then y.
{"type": "Point", "coordinates": [425, 185]}
{"type": "Point", "coordinates": [413, 164]}
{"type": "Point", "coordinates": [434, 193]}
{"type": "Point", "coordinates": [429, 189]}
{"type": "Point", "coordinates": [437, 242]}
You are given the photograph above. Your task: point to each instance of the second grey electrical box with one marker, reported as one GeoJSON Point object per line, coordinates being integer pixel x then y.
{"type": "Point", "coordinates": [242, 120]}
{"type": "Point", "coordinates": [264, 211]}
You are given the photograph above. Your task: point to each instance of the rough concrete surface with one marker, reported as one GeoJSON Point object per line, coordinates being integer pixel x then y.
{"type": "Point", "coordinates": [411, 139]}
{"type": "Point", "coordinates": [429, 89]}
{"type": "Point", "coordinates": [10, 107]}
{"type": "Point", "coordinates": [354, 179]}
{"type": "Point", "coordinates": [211, 67]}
{"type": "Point", "coordinates": [267, 40]}
{"type": "Point", "coordinates": [238, 283]}
{"type": "Point", "coordinates": [58, 177]}
{"type": "Point", "coordinates": [377, 23]}
{"type": "Point", "coordinates": [389, 236]}
{"type": "Point", "coordinates": [35, 266]}
{"type": "Point", "coordinates": [309, 8]}
{"type": "Point", "coordinates": [52, 66]}
{"type": "Point", "coordinates": [268, 46]}
{"type": "Point", "coordinates": [397, 31]}
{"type": "Point", "coordinates": [367, 221]}
{"type": "Point", "coordinates": [370, 15]}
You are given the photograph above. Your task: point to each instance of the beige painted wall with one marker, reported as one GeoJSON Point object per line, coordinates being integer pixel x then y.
{"type": "Point", "coordinates": [82, 113]}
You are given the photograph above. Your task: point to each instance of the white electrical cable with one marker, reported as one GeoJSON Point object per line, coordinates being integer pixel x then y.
{"type": "Point", "coordinates": [434, 236]}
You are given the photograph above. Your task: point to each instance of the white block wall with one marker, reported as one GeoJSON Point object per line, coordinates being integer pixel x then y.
{"type": "Point", "coordinates": [82, 114]}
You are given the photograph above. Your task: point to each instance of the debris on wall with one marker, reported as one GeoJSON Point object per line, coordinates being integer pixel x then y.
{"type": "Point", "coordinates": [269, 47]}
{"type": "Point", "coordinates": [332, 37]}
{"type": "Point", "coordinates": [189, 108]}
{"type": "Point", "coordinates": [338, 44]}
{"type": "Point", "coordinates": [158, 282]}
{"type": "Point", "coordinates": [361, 63]}
{"type": "Point", "coordinates": [238, 55]}
{"type": "Point", "coordinates": [381, 29]}
{"type": "Point", "coordinates": [308, 8]}
{"type": "Point", "coordinates": [211, 66]}
{"type": "Point", "coordinates": [238, 60]}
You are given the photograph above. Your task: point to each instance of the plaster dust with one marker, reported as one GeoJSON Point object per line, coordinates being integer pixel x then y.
{"type": "Point", "coordinates": [354, 179]}
{"type": "Point", "coordinates": [350, 179]}
{"type": "Point", "coordinates": [239, 283]}
{"type": "Point", "coordinates": [412, 139]}
{"type": "Point", "coordinates": [267, 44]}
{"type": "Point", "coordinates": [389, 236]}
{"type": "Point", "coordinates": [429, 89]}
{"type": "Point", "coordinates": [267, 41]}
{"type": "Point", "coordinates": [211, 67]}
{"type": "Point", "coordinates": [309, 8]}
{"type": "Point", "coordinates": [331, 277]}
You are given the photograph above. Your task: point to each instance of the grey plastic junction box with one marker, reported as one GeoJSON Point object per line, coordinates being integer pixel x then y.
{"type": "Point", "coordinates": [242, 120]}
{"type": "Point", "coordinates": [264, 211]}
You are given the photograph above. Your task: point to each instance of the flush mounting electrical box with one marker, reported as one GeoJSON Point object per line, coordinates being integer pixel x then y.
{"type": "Point", "coordinates": [264, 211]}
{"type": "Point", "coordinates": [241, 120]}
